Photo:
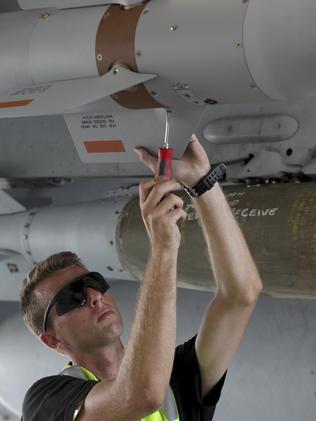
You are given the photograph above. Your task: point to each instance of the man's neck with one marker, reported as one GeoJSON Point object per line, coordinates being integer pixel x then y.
{"type": "Point", "coordinates": [104, 362]}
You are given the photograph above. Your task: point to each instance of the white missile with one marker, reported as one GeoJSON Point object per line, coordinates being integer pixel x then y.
{"type": "Point", "coordinates": [106, 59]}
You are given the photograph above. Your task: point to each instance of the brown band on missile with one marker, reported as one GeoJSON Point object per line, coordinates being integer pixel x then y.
{"type": "Point", "coordinates": [115, 44]}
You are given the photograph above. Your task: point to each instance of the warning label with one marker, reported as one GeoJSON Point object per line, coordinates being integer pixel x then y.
{"type": "Point", "coordinates": [98, 121]}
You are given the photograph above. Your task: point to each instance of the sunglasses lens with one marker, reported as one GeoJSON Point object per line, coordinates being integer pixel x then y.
{"type": "Point", "coordinates": [74, 294]}
{"type": "Point", "coordinates": [69, 299]}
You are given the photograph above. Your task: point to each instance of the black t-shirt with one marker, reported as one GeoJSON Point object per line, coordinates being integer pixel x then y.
{"type": "Point", "coordinates": [55, 398]}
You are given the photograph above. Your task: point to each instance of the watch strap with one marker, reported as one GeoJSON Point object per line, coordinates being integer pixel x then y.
{"type": "Point", "coordinates": [208, 181]}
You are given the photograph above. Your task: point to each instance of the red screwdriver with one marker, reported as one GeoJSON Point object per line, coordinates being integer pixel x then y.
{"type": "Point", "coordinates": [165, 153]}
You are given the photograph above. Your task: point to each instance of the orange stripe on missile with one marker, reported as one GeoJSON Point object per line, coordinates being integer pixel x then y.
{"type": "Point", "coordinates": [104, 146]}
{"type": "Point", "coordinates": [20, 103]}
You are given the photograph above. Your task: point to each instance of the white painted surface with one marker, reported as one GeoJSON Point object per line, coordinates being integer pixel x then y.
{"type": "Point", "coordinates": [279, 41]}
{"type": "Point", "coordinates": [63, 45]}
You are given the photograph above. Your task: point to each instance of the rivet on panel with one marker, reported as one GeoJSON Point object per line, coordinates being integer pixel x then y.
{"type": "Point", "coordinates": [44, 15]}
{"type": "Point", "coordinates": [115, 71]}
{"type": "Point", "coordinates": [99, 57]}
{"type": "Point", "coordinates": [173, 27]}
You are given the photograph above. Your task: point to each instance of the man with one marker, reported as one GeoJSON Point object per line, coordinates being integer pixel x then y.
{"type": "Point", "coordinates": [72, 312]}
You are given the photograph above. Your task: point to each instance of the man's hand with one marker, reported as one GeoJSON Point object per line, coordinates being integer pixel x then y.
{"type": "Point", "coordinates": [161, 210]}
{"type": "Point", "coordinates": [193, 165]}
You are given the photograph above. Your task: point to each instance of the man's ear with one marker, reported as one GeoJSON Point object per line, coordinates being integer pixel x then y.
{"type": "Point", "coordinates": [50, 340]}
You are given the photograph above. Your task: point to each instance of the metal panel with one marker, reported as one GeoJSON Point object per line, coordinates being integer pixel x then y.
{"type": "Point", "coordinates": [280, 45]}
{"type": "Point", "coordinates": [63, 45]}
{"type": "Point", "coordinates": [87, 229]}
{"type": "Point", "coordinates": [13, 270]}
{"type": "Point", "coordinates": [289, 156]}
{"type": "Point", "coordinates": [15, 33]}
{"type": "Point", "coordinates": [196, 44]}
{"type": "Point", "coordinates": [251, 129]}
{"type": "Point", "coordinates": [9, 6]}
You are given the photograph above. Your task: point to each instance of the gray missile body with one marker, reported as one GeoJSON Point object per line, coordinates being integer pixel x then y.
{"type": "Point", "coordinates": [279, 223]}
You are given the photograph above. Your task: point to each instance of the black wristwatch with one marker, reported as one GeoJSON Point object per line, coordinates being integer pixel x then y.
{"type": "Point", "coordinates": [207, 182]}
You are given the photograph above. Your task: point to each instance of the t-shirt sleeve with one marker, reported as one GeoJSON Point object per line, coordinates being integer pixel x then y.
{"type": "Point", "coordinates": [186, 385]}
{"type": "Point", "coordinates": [55, 398]}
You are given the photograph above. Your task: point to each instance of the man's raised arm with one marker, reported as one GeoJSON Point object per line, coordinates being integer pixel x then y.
{"type": "Point", "coordinates": [144, 374]}
{"type": "Point", "coordinates": [238, 281]}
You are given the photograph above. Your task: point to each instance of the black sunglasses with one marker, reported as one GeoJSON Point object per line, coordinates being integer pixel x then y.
{"type": "Point", "coordinates": [74, 294]}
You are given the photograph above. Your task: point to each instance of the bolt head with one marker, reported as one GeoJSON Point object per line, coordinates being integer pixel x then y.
{"type": "Point", "coordinates": [44, 15]}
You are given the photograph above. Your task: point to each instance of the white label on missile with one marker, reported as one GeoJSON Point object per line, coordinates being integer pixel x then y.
{"type": "Point", "coordinates": [96, 136]}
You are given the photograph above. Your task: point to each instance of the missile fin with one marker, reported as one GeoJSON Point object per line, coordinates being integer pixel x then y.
{"type": "Point", "coordinates": [66, 96]}
{"type": "Point", "coordinates": [69, 4]}
{"type": "Point", "coordinates": [107, 135]}
{"type": "Point", "coordinates": [9, 205]}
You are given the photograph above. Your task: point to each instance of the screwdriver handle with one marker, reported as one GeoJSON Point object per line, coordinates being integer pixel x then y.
{"type": "Point", "coordinates": [164, 161]}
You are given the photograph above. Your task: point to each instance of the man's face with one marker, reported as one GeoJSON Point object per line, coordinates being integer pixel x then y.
{"type": "Point", "coordinates": [96, 324]}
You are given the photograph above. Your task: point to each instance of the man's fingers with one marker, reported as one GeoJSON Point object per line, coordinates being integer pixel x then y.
{"type": "Point", "coordinates": [147, 158]}
{"type": "Point", "coordinates": [161, 189]}
{"type": "Point", "coordinates": [179, 214]}
{"type": "Point", "coordinates": [169, 203]}
{"type": "Point", "coordinates": [145, 188]}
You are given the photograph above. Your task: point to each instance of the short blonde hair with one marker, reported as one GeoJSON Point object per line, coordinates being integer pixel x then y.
{"type": "Point", "coordinates": [33, 306]}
